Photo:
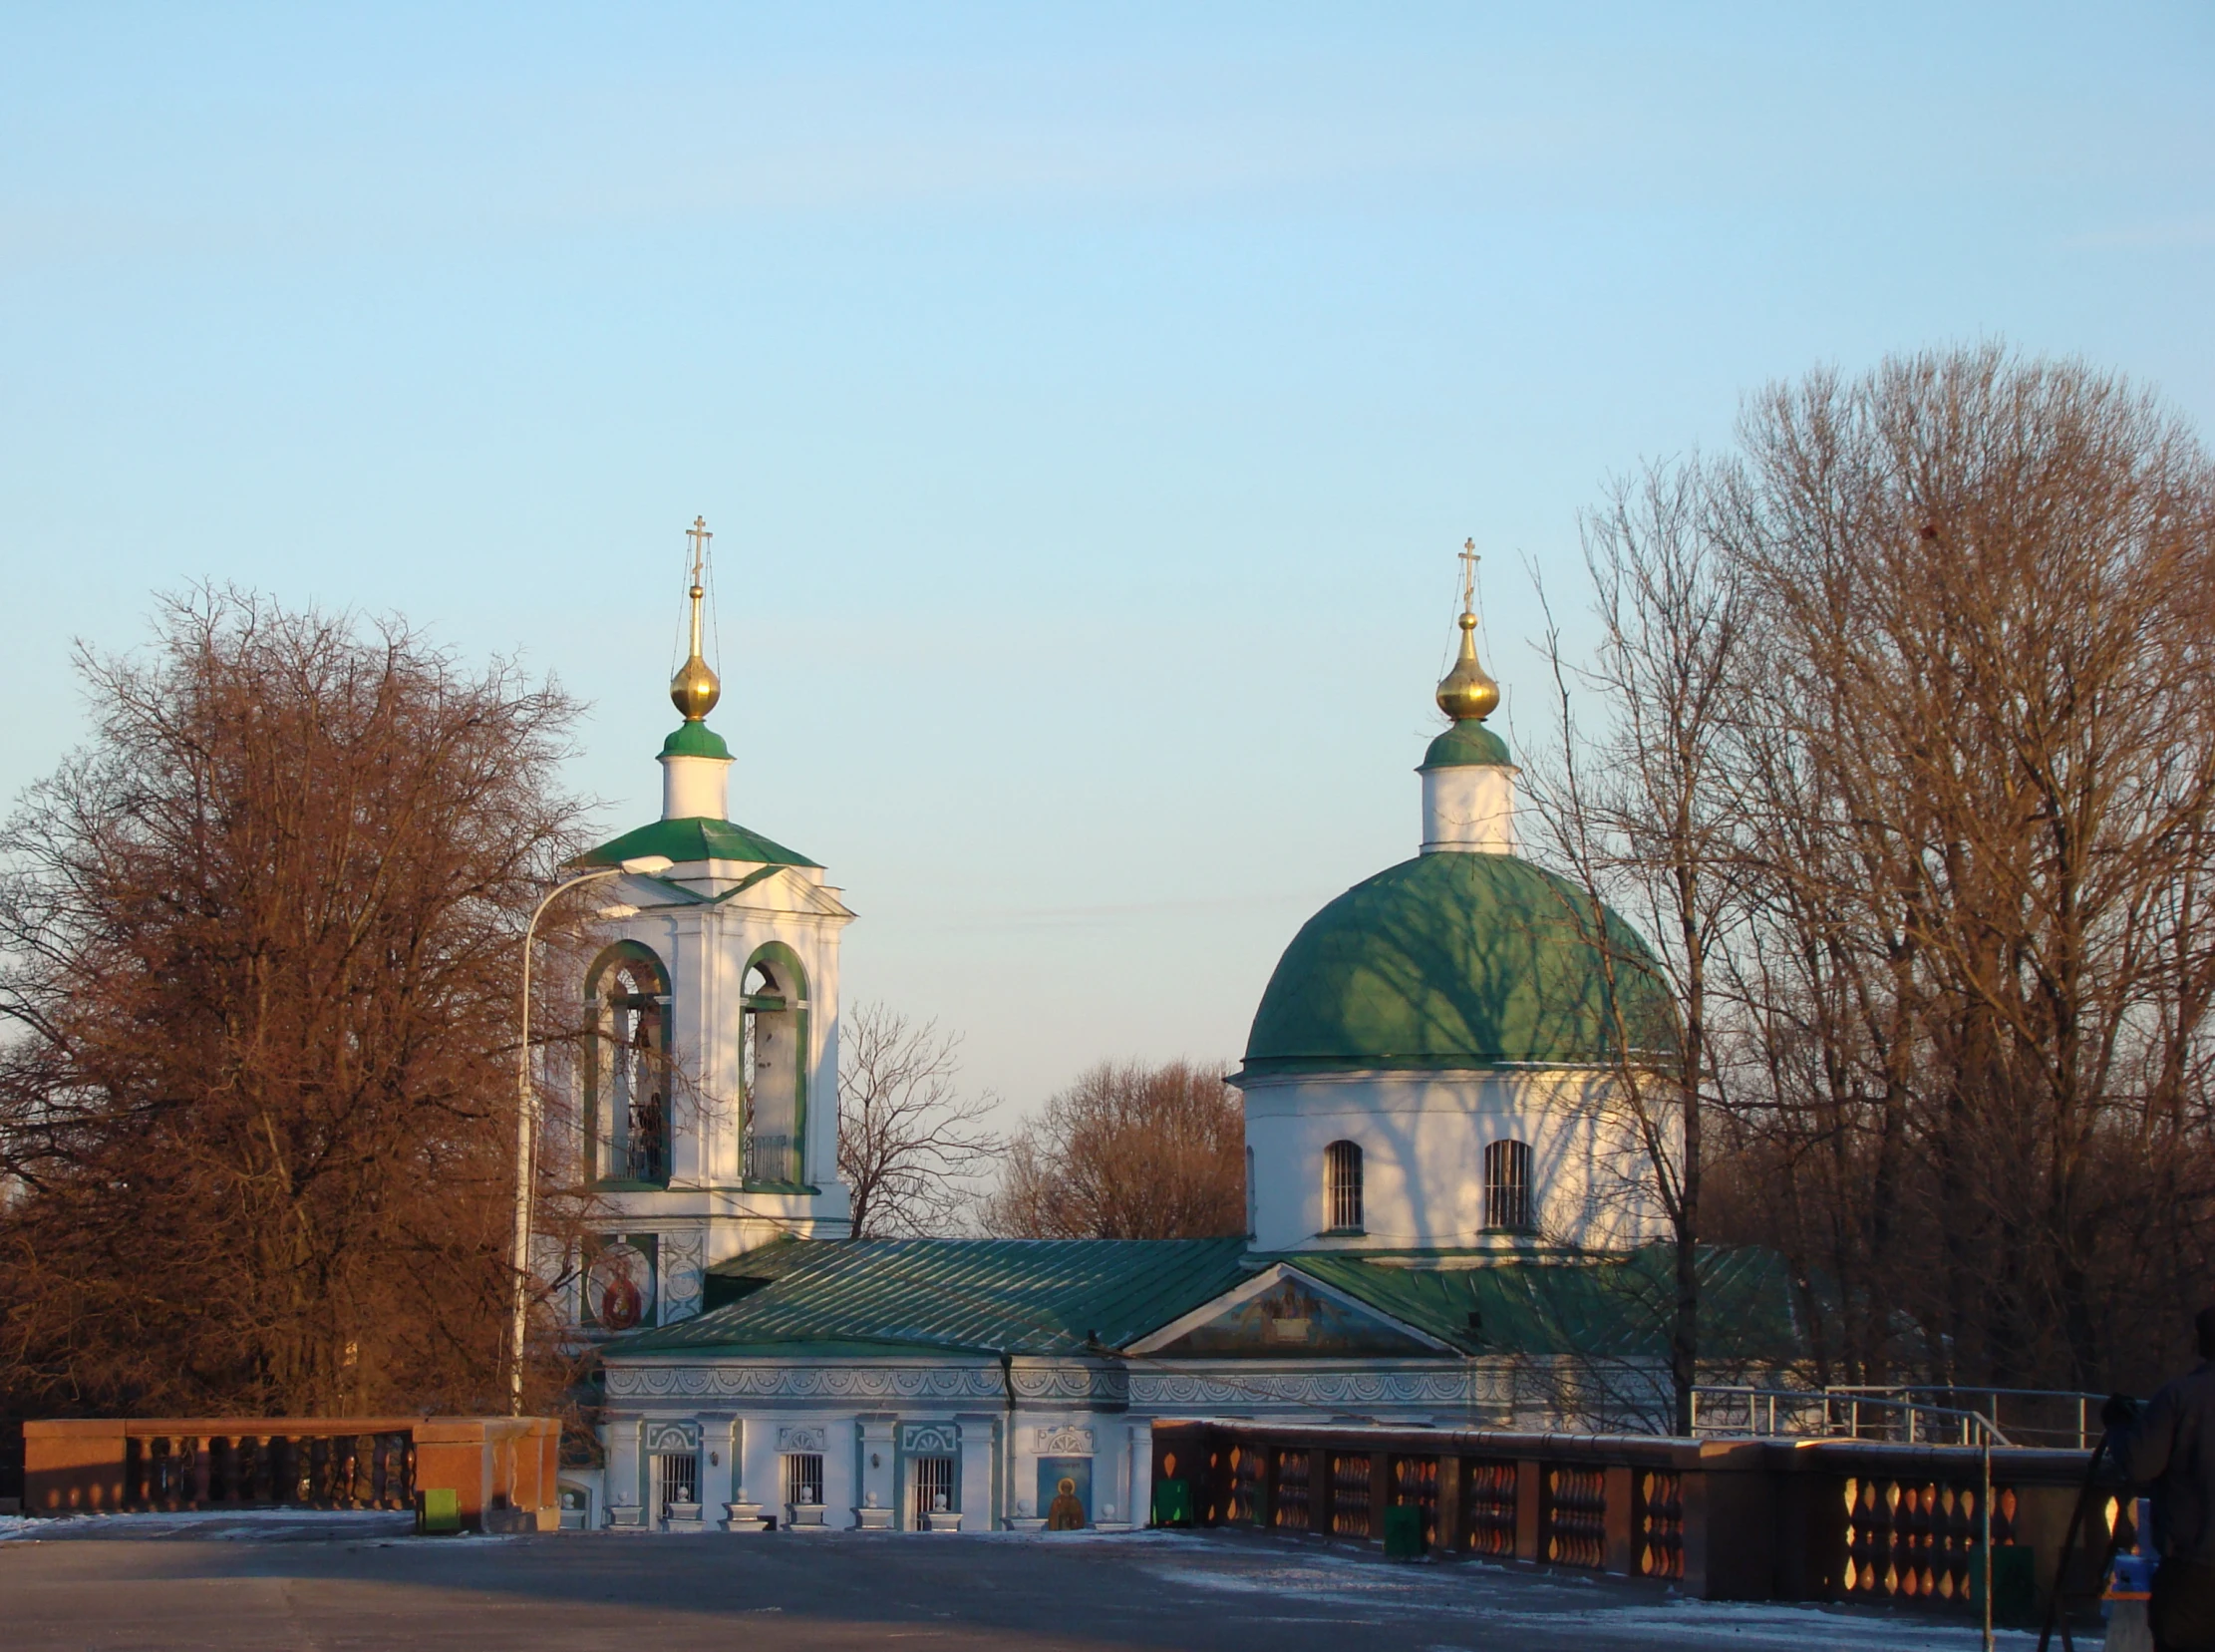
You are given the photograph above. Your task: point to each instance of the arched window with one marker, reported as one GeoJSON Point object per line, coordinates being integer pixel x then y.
{"type": "Point", "coordinates": [1249, 1192]}
{"type": "Point", "coordinates": [1341, 1186]}
{"type": "Point", "coordinates": [627, 1079]}
{"type": "Point", "coordinates": [1507, 1187]}
{"type": "Point", "coordinates": [773, 1068]}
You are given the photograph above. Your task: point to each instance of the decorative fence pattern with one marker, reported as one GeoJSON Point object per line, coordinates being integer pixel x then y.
{"type": "Point", "coordinates": [1350, 1476]}
{"type": "Point", "coordinates": [1488, 1507]}
{"type": "Point", "coordinates": [1246, 1492]}
{"type": "Point", "coordinates": [1576, 1518]}
{"type": "Point", "coordinates": [1661, 1524]}
{"type": "Point", "coordinates": [1288, 1508]}
{"type": "Point", "coordinates": [361, 1471]}
{"type": "Point", "coordinates": [503, 1470]}
{"type": "Point", "coordinates": [1415, 1483]}
{"type": "Point", "coordinates": [1915, 1538]}
{"type": "Point", "coordinates": [1748, 1518]}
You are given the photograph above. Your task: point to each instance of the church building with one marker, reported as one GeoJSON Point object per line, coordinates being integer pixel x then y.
{"type": "Point", "coordinates": [1450, 1218]}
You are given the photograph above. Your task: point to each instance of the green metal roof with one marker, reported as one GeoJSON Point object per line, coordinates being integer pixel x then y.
{"type": "Point", "coordinates": [878, 1298]}
{"type": "Point", "coordinates": [1017, 1296]}
{"type": "Point", "coordinates": [690, 739]}
{"type": "Point", "coordinates": [1456, 960]}
{"type": "Point", "coordinates": [1469, 744]}
{"type": "Point", "coordinates": [1617, 1308]}
{"type": "Point", "coordinates": [694, 838]}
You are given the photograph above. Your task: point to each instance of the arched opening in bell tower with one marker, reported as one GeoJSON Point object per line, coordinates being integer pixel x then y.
{"type": "Point", "coordinates": [626, 1077]}
{"type": "Point", "coordinates": [773, 1072]}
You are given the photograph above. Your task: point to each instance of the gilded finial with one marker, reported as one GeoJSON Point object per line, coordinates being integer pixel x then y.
{"type": "Point", "coordinates": [694, 688]}
{"type": "Point", "coordinates": [1465, 692]}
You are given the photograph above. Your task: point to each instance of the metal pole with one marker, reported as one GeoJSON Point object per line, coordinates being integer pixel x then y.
{"type": "Point", "coordinates": [1985, 1510]}
{"type": "Point", "coordinates": [526, 1137]}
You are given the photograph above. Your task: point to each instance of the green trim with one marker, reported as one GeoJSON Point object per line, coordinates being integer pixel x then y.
{"type": "Point", "coordinates": [637, 952]}
{"type": "Point", "coordinates": [691, 840]}
{"type": "Point", "coordinates": [1468, 745]}
{"type": "Point", "coordinates": [695, 740]}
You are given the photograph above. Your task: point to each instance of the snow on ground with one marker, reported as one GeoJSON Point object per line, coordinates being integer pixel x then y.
{"type": "Point", "coordinates": [236, 1525]}
{"type": "Point", "coordinates": [1497, 1603]}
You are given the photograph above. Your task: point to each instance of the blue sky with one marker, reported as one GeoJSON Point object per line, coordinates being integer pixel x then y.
{"type": "Point", "coordinates": [1088, 401]}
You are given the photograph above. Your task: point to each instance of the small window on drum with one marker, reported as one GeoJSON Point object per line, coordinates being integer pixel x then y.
{"type": "Point", "coordinates": [1508, 1187]}
{"type": "Point", "coordinates": [1341, 1186]}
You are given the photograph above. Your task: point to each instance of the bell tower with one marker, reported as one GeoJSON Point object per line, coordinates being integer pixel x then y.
{"type": "Point", "coordinates": [708, 1103]}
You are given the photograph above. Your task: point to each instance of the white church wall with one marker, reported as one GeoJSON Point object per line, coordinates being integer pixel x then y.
{"type": "Point", "coordinates": [1423, 1138]}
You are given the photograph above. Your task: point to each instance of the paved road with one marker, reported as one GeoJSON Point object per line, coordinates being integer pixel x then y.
{"type": "Point", "coordinates": [352, 1581]}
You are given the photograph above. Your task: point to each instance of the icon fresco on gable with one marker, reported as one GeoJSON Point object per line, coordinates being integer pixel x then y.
{"type": "Point", "coordinates": [1291, 1320]}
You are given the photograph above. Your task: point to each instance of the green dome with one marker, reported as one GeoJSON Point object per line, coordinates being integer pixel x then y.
{"type": "Point", "coordinates": [1455, 961]}
{"type": "Point", "coordinates": [1468, 745]}
{"type": "Point", "coordinates": [695, 740]}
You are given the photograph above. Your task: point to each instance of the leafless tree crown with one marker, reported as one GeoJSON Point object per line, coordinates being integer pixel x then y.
{"type": "Point", "coordinates": [912, 1147]}
{"type": "Point", "coordinates": [1129, 1151]}
{"type": "Point", "coordinates": [1930, 868]}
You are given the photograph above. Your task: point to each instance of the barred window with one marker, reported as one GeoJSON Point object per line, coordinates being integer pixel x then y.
{"type": "Point", "coordinates": [1507, 1187]}
{"type": "Point", "coordinates": [804, 1478]}
{"type": "Point", "coordinates": [675, 1480]}
{"type": "Point", "coordinates": [931, 1482]}
{"type": "Point", "coordinates": [1341, 1186]}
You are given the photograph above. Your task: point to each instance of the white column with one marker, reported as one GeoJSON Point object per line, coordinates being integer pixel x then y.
{"type": "Point", "coordinates": [879, 1466]}
{"type": "Point", "coordinates": [975, 1469]}
{"type": "Point", "coordinates": [625, 1477]}
{"type": "Point", "coordinates": [1140, 1456]}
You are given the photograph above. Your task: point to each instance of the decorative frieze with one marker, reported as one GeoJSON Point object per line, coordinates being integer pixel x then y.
{"type": "Point", "coordinates": [1064, 1442]}
{"type": "Point", "coordinates": [1090, 1384]}
{"type": "Point", "coordinates": [799, 1437]}
{"type": "Point", "coordinates": [1248, 1390]}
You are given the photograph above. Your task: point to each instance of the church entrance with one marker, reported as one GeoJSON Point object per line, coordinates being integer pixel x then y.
{"type": "Point", "coordinates": [1065, 1492]}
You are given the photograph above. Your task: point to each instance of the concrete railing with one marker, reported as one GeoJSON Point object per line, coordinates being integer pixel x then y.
{"type": "Point", "coordinates": [501, 1468]}
{"type": "Point", "coordinates": [1738, 1520]}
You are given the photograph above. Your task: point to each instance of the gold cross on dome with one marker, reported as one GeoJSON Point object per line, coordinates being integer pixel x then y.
{"type": "Point", "coordinates": [1469, 559]}
{"type": "Point", "coordinates": [699, 535]}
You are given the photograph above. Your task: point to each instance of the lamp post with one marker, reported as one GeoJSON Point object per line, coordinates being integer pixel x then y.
{"type": "Point", "coordinates": [526, 1120]}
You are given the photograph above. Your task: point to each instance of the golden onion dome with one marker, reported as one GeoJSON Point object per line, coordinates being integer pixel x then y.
{"type": "Point", "coordinates": [694, 688]}
{"type": "Point", "coordinates": [1465, 692]}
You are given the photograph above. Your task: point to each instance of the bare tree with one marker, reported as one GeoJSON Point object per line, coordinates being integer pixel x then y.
{"type": "Point", "coordinates": [258, 959]}
{"type": "Point", "coordinates": [1129, 1151]}
{"type": "Point", "coordinates": [1992, 588]}
{"type": "Point", "coordinates": [910, 1146]}
{"type": "Point", "coordinates": [1641, 812]}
